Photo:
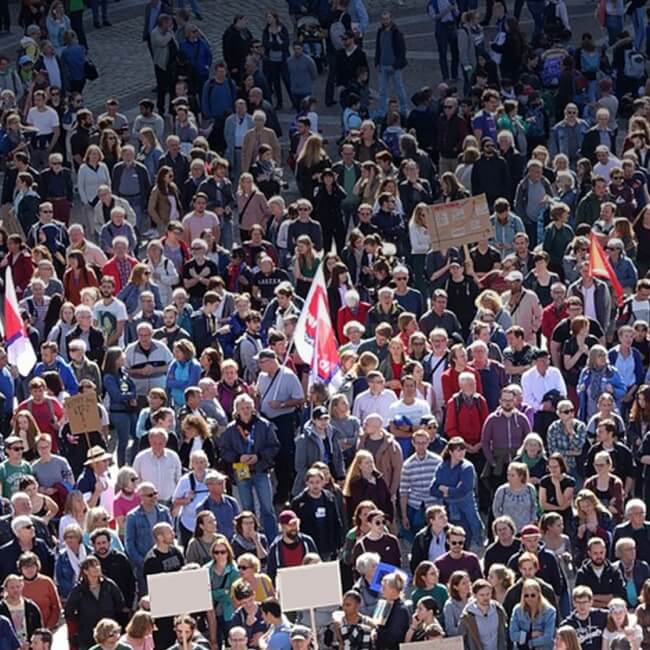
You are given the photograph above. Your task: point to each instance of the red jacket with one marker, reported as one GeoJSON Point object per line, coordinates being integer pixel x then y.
{"type": "Point", "coordinates": [345, 315]}
{"type": "Point", "coordinates": [465, 420]}
{"type": "Point", "coordinates": [110, 268]}
{"type": "Point", "coordinates": [550, 318]}
{"type": "Point", "coordinates": [22, 270]}
{"type": "Point", "coordinates": [450, 384]}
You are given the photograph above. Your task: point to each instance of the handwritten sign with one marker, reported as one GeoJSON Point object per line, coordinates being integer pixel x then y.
{"type": "Point", "coordinates": [82, 412]}
{"type": "Point", "coordinates": [459, 222]}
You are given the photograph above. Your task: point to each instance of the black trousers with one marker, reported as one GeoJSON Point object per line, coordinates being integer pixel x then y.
{"type": "Point", "coordinates": [5, 18]}
{"type": "Point", "coordinates": [284, 462]}
{"type": "Point", "coordinates": [164, 88]}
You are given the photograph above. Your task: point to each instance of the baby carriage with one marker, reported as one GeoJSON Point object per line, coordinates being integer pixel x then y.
{"type": "Point", "coordinates": [310, 34]}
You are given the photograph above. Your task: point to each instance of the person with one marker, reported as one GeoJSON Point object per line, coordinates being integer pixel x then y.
{"type": "Point", "coordinates": [635, 527]}
{"type": "Point", "coordinates": [290, 547]}
{"type": "Point", "coordinates": [597, 573]}
{"type": "Point", "coordinates": [363, 483]}
{"type": "Point", "coordinates": [491, 633]}
{"type": "Point", "coordinates": [533, 616]}
{"type": "Point", "coordinates": [426, 583]}
{"type": "Point", "coordinates": [588, 621]}
{"type": "Point", "coordinates": [460, 590]}
{"type": "Point", "coordinates": [620, 622]}
{"type": "Point", "coordinates": [456, 558]}
{"type": "Point", "coordinates": [40, 589]}
{"type": "Point", "coordinates": [392, 629]}
{"type": "Point", "coordinates": [505, 544]}
{"type": "Point", "coordinates": [517, 497]}
{"type": "Point", "coordinates": [223, 573]}
{"type": "Point", "coordinates": [22, 611]}
{"type": "Point", "coordinates": [633, 571]}
{"type": "Point", "coordinates": [377, 540]}
{"type": "Point", "coordinates": [223, 507]}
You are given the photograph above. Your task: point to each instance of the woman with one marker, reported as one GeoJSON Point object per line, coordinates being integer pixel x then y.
{"type": "Point", "coordinates": [248, 538]}
{"type": "Point", "coordinates": [607, 486]}
{"type": "Point", "coordinates": [364, 483]}
{"type": "Point", "coordinates": [64, 325]}
{"type": "Point", "coordinates": [109, 143]}
{"type": "Point", "coordinates": [532, 623]}
{"type": "Point", "coordinates": [311, 162]}
{"type": "Point", "coordinates": [92, 173]}
{"type": "Point", "coordinates": [347, 425]}
{"type": "Point", "coordinates": [126, 497]}
{"type": "Point", "coordinates": [567, 436]}
{"type": "Point", "coordinates": [639, 419]}
{"type": "Point", "coordinates": [566, 638]}
{"type": "Point", "coordinates": [424, 625]}
{"type": "Point", "coordinates": [139, 631]}
{"type": "Point", "coordinates": [575, 351]}
{"type": "Point", "coordinates": [57, 24]}
{"type": "Point", "coordinates": [540, 279]}
{"type": "Point", "coordinates": [43, 507]}
{"type": "Point", "coordinates": [414, 190]}
{"type": "Point", "coordinates": [26, 198]}
{"type": "Point", "coordinates": [165, 200]}
{"type": "Point", "coordinates": [67, 568]}
{"type": "Point", "coordinates": [453, 482]}
{"type": "Point", "coordinates": [211, 361]}
{"type": "Point", "coordinates": [532, 454]}
{"type": "Point", "coordinates": [621, 623]}
{"type": "Point", "coordinates": [276, 40]}
{"type": "Point", "coordinates": [451, 189]}
{"type": "Point", "coordinates": [501, 578]}
{"type": "Point", "coordinates": [511, 50]}
{"type": "Point", "coordinates": [551, 525]}
{"type": "Point", "coordinates": [139, 281]}
{"type": "Point", "coordinates": [592, 520]}
{"type": "Point", "coordinates": [120, 389]}
{"type": "Point", "coordinates": [378, 540]}
{"type": "Point", "coordinates": [556, 490]}
{"type": "Point", "coordinates": [516, 498]}
{"type": "Point", "coordinates": [98, 517]}
{"type": "Point", "coordinates": [327, 201]}
{"type": "Point", "coordinates": [230, 385]}
{"type": "Point", "coordinates": [252, 206]}
{"type": "Point", "coordinates": [19, 260]}
{"type": "Point", "coordinates": [26, 428]}
{"type": "Point", "coordinates": [205, 534]}
{"type": "Point", "coordinates": [223, 573]}
{"type": "Point", "coordinates": [425, 581]}
{"type": "Point", "coordinates": [392, 630]}
{"type": "Point", "coordinates": [642, 614]}
{"type": "Point", "coordinates": [420, 244]}
{"type": "Point", "coordinates": [74, 512]}
{"type": "Point", "coordinates": [368, 183]}
{"type": "Point", "coordinates": [163, 271]}
{"type": "Point", "coordinates": [250, 573]}
{"type": "Point", "coordinates": [606, 411]}
{"type": "Point", "coordinates": [190, 491]}
{"type": "Point", "coordinates": [196, 435]}
{"type": "Point", "coordinates": [460, 587]}
{"type": "Point", "coordinates": [305, 264]}
{"type": "Point", "coordinates": [598, 377]}
{"type": "Point", "coordinates": [184, 371]}
{"type": "Point", "coordinates": [77, 276]}
{"type": "Point", "coordinates": [641, 226]}
{"type": "Point", "coordinates": [391, 367]}
{"type": "Point", "coordinates": [150, 151]}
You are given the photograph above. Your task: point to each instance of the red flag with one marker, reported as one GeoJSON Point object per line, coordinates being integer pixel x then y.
{"type": "Point", "coordinates": [20, 351]}
{"type": "Point", "coordinates": [599, 267]}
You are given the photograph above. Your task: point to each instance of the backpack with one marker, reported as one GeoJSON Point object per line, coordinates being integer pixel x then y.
{"type": "Point", "coordinates": [634, 64]}
{"type": "Point", "coordinates": [589, 61]}
{"type": "Point", "coordinates": [336, 31]}
{"type": "Point", "coordinates": [551, 70]}
{"type": "Point", "coordinates": [391, 140]}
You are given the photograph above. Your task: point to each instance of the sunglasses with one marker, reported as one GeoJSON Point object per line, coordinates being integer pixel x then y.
{"type": "Point", "coordinates": [457, 543]}
{"type": "Point", "coordinates": [16, 449]}
{"type": "Point", "coordinates": [220, 552]}
{"type": "Point", "coordinates": [151, 495]}
{"type": "Point", "coordinates": [530, 595]}
{"type": "Point", "coordinates": [567, 411]}
{"type": "Point", "coordinates": [241, 567]}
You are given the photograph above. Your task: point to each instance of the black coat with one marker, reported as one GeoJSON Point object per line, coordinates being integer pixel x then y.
{"type": "Point", "coordinates": [329, 537]}
{"type": "Point", "coordinates": [347, 66]}
{"type": "Point", "coordinates": [592, 140]}
{"type": "Point", "coordinates": [97, 344]}
{"type": "Point", "coordinates": [33, 618]}
{"type": "Point", "coordinates": [118, 568]}
{"type": "Point", "coordinates": [399, 47]}
{"type": "Point", "coordinates": [236, 46]}
{"type": "Point", "coordinates": [492, 177]}
{"type": "Point", "coordinates": [45, 184]}
{"type": "Point", "coordinates": [180, 165]}
{"type": "Point", "coordinates": [327, 207]}
{"type": "Point", "coordinates": [11, 551]}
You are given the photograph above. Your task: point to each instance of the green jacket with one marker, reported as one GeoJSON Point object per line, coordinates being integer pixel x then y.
{"type": "Point", "coordinates": [220, 586]}
{"type": "Point", "coordinates": [588, 210]}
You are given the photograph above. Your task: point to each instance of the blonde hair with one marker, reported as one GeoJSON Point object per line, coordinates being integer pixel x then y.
{"type": "Point", "coordinates": [354, 471]}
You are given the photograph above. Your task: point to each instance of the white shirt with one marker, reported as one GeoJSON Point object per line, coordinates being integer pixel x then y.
{"type": "Point", "coordinates": [535, 386]}
{"type": "Point", "coordinates": [53, 71]}
{"type": "Point", "coordinates": [590, 301]}
{"type": "Point", "coordinates": [367, 403]}
{"type": "Point", "coordinates": [604, 170]}
{"type": "Point", "coordinates": [414, 412]}
{"type": "Point", "coordinates": [163, 472]}
{"type": "Point", "coordinates": [45, 121]}
{"type": "Point", "coordinates": [188, 512]}
{"type": "Point", "coordinates": [241, 127]}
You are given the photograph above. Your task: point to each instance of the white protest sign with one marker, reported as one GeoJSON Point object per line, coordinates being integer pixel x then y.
{"type": "Point", "coordinates": [309, 586]}
{"type": "Point", "coordinates": [181, 592]}
{"type": "Point", "coordinates": [448, 643]}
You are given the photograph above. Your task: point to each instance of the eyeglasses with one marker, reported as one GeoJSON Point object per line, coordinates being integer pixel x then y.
{"type": "Point", "coordinates": [460, 542]}
{"type": "Point", "coordinates": [303, 209]}
{"type": "Point", "coordinates": [378, 522]}
{"type": "Point", "coordinates": [44, 209]}
{"type": "Point", "coordinates": [28, 526]}
{"type": "Point", "coordinates": [401, 279]}
{"type": "Point", "coordinates": [447, 106]}
{"type": "Point", "coordinates": [530, 595]}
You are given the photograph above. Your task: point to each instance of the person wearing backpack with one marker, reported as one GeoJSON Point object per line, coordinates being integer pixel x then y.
{"type": "Point", "coordinates": [588, 62]}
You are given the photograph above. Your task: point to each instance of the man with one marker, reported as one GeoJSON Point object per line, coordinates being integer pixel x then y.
{"type": "Point", "coordinates": [523, 306]}
{"type": "Point", "coordinates": [492, 373]}
{"type": "Point", "coordinates": [130, 181]}
{"type": "Point", "coordinates": [532, 195]}
{"type": "Point", "coordinates": [493, 620]}
{"type": "Point", "coordinates": [285, 304]}
{"type": "Point", "coordinates": [408, 298]}
{"type": "Point", "coordinates": [159, 465]}
{"type": "Point", "coordinates": [430, 542]}
{"type": "Point", "coordinates": [109, 313]}
{"type": "Point", "coordinates": [321, 520]}
{"type": "Point", "coordinates": [594, 294]}
{"type": "Point", "coordinates": [348, 172]}
{"type": "Point", "coordinates": [224, 507]}
{"type": "Point", "coordinates": [588, 621]}
{"type": "Point", "coordinates": [549, 569]}
{"type": "Point", "coordinates": [204, 324]}
{"type": "Point", "coordinates": [46, 219]}
{"type": "Point", "coordinates": [42, 639]}
{"type": "Point", "coordinates": [541, 379]}
{"type": "Point", "coordinates": [634, 572]}
{"type": "Point", "coordinates": [147, 361]}
{"type": "Point", "coordinates": [56, 185]}
{"type": "Point", "coordinates": [484, 123]}
{"type": "Point", "coordinates": [415, 496]}
{"type": "Point", "coordinates": [260, 134]}
{"type": "Point", "coordinates": [305, 225]}
{"type": "Point", "coordinates": [507, 225]}
{"type": "Point", "coordinates": [120, 265]}
{"type": "Point", "coordinates": [115, 564]}
{"type": "Point", "coordinates": [14, 468]}
{"type": "Point", "coordinates": [138, 536]}
{"type": "Point", "coordinates": [387, 310]}
{"type": "Point", "coordinates": [451, 128]}
{"type": "Point", "coordinates": [466, 414]}
{"type": "Point", "coordinates": [349, 61]}
{"type": "Point", "coordinates": [199, 220]}
{"type": "Point", "coordinates": [235, 128]}
{"type": "Point", "coordinates": [290, 547]}
{"type": "Point", "coordinates": [406, 412]}
{"type": "Point", "coordinates": [456, 559]}
{"type": "Point", "coordinates": [278, 635]}
{"type": "Point", "coordinates": [120, 122]}
{"type": "Point", "coordinates": [92, 337]}
{"type": "Point", "coordinates": [503, 433]}
{"type": "Point", "coordinates": [302, 74]}
{"type": "Point", "coordinates": [51, 361]}
{"type": "Point", "coordinates": [505, 544]}
{"type": "Point", "coordinates": [599, 575]}
{"type": "Point", "coordinates": [250, 445]}
{"type": "Point", "coordinates": [175, 159]}
{"type": "Point", "coordinates": [281, 394]}
{"type": "Point", "coordinates": [162, 41]}
{"type": "Point", "coordinates": [627, 360]}
{"type": "Point", "coordinates": [637, 306]}
{"type": "Point", "coordinates": [46, 410]}
{"type": "Point", "coordinates": [48, 129]}
{"type": "Point", "coordinates": [390, 60]}
{"type": "Point", "coordinates": [588, 210]}
{"type": "Point", "coordinates": [636, 528]}
{"type": "Point", "coordinates": [567, 136]}
{"type": "Point", "coordinates": [78, 242]}
{"type": "Point", "coordinates": [622, 265]}
{"type": "Point", "coordinates": [554, 313]}
{"type": "Point", "coordinates": [528, 565]}
{"type": "Point", "coordinates": [600, 134]}
{"type": "Point", "coordinates": [217, 102]}
{"type": "Point", "coordinates": [115, 210]}
{"type": "Point", "coordinates": [376, 399]}
{"type": "Point", "coordinates": [24, 540]}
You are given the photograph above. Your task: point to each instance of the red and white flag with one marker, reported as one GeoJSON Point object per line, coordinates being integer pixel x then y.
{"type": "Point", "coordinates": [20, 352]}
{"type": "Point", "coordinates": [314, 336]}
{"type": "Point", "coordinates": [600, 267]}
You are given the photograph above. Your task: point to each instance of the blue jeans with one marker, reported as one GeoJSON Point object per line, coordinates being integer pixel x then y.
{"type": "Point", "coordinates": [614, 26]}
{"type": "Point", "coordinates": [226, 233]}
{"type": "Point", "coordinates": [262, 486]}
{"type": "Point", "coordinates": [124, 424]}
{"type": "Point", "coordinates": [386, 73]}
{"type": "Point", "coordinates": [447, 39]}
{"type": "Point", "coordinates": [536, 9]}
{"type": "Point", "coordinates": [464, 512]}
{"type": "Point", "coordinates": [416, 522]}
{"type": "Point", "coordinates": [95, 5]}
{"type": "Point", "coordinates": [638, 20]}
{"type": "Point", "coordinates": [193, 3]}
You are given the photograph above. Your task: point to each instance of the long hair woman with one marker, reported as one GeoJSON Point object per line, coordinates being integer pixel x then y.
{"type": "Point", "coordinates": [312, 160]}
{"type": "Point", "coordinates": [77, 276]}
{"type": "Point", "coordinates": [363, 482]}
{"type": "Point", "coordinates": [165, 200]}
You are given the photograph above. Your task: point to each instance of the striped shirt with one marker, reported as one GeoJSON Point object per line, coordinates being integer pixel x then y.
{"type": "Point", "coordinates": [417, 475]}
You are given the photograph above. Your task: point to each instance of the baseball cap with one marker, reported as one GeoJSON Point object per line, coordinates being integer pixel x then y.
{"type": "Point", "coordinates": [24, 60]}
{"type": "Point", "coordinates": [300, 633]}
{"type": "Point", "coordinates": [402, 421]}
{"type": "Point", "coordinates": [515, 276]}
{"type": "Point", "coordinates": [286, 517]}
{"type": "Point", "coordinates": [319, 412]}
{"type": "Point", "coordinates": [531, 529]}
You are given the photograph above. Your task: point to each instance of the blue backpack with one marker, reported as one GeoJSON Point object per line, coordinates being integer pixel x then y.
{"type": "Point", "coordinates": [536, 126]}
{"type": "Point", "coordinates": [589, 61]}
{"type": "Point", "coordinates": [551, 71]}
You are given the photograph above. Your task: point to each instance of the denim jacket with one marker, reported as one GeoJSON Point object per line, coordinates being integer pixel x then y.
{"type": "Point", "coordinates": [544, 622]}
{"type": "Point", "coordinates": [560, 136]}
{"type": "Point", "coordinates": [138, 538]}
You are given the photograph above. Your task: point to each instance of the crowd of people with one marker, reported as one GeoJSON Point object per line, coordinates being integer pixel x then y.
{"type": "Point", "coordinates": [481, 465]}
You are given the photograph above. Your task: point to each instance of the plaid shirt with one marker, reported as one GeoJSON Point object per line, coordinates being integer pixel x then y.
{"type": "Point", "coordinates": [558, 440]}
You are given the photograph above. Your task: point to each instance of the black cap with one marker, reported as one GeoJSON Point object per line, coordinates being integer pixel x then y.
{"type": "Point", "coordinates": [319, 412]}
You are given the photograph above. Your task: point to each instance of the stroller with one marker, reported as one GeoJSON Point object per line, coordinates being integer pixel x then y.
{"type": "Point", "coordinates": [310, 34]}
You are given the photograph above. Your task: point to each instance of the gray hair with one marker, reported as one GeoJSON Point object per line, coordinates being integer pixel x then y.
{"type": "Point", "coordinates": [366, 561]}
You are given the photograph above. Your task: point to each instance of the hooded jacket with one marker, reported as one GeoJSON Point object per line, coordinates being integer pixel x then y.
{"type": "Point", "coordinates": [468, 627]}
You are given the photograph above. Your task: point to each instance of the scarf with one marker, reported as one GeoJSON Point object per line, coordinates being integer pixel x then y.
{"type": "Point", "coordinates": [530, 462]}
{"type": "Point", "coordinates": [75, 561]}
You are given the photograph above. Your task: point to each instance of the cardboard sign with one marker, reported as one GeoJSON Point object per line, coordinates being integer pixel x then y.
{"type": "Point", "coordinates": [309, 586]}
{"type": "Point", "coordinates": [82, 412]}
{"type": "Point", "coordinates": [180, 592]}
{"type": "Point", "coordinates": [460, 222]}
{"type": "Point", "coordinates": [448, 643]}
